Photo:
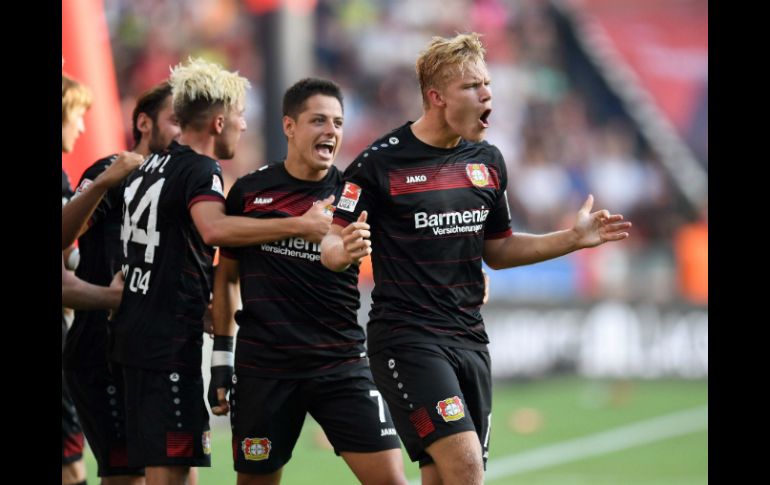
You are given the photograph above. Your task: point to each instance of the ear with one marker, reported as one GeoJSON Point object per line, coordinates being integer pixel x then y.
{"type": "Point", "coordinates": [288, 126]}
{"type": "Point", "coordinates": [218, 123]}
{"type": "Point", "coordinates": [435, 98]}
{"type": "Point", "coordinates": [143, 123]}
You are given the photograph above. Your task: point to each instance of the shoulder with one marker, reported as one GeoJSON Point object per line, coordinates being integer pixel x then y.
{"type": "Point", "coordinates": [199, 164]}
{"type": "Point", "coordinates": [256, 177]}
{"type": "Point", "coordinates": [98, 167]}
{"type": "Point", "coordinates": [388, 145]}
{"type": "Point", "coordinates": [490, 149]}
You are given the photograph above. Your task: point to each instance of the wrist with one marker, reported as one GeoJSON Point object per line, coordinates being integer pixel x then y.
{"type": "Point", "coordinates": [223, 354]}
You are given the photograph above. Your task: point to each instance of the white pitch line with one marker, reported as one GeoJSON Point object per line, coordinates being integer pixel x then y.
{"type": "Point", "coordinates": [616, 439]}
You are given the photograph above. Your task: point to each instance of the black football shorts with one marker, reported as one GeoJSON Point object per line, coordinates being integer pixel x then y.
{"type": "Point", "coordinates": [435, 391]}
{"type": "Point", "coordinates": [267, 417]}
{"type": "Point", "coordinates": [167, 423]}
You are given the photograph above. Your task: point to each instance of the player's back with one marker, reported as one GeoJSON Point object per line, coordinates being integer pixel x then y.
{"type": "Point", "coordinates": [168, 267]}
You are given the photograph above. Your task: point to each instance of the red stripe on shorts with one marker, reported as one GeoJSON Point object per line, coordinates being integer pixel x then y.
{"type": "Point", "coordinates": [422, 423]}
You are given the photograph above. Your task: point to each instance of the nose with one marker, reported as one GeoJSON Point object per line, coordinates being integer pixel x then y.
{"type": "Point", "coordinates": [485, 93]}
{"type": "Point", "coordinates": [243, 124]}
{"type": "Point", "coordinates": [81, 125]}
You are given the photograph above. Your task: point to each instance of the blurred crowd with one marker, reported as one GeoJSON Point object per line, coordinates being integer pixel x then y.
{"type": "Point", "coordinates": [562, 132]}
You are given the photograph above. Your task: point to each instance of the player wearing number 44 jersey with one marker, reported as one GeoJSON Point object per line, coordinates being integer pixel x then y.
{"type": "Point", "coordinates": [173, 215]}
{"type": "Point", "coordinates": [435, 195]}
{"type": "Point", "coordinates": [300, 349]}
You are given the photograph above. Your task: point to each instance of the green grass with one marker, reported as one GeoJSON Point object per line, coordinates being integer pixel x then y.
{"type": "Point", "coordinates": [561, 409]}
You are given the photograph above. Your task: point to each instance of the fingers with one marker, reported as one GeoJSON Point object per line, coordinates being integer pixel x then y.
{"type": "Point", "coordinates": [363, 216]}
{"type": "Point", "coordinates": [617, 227]}
{"type": "Point", "coordinates": [221, 410]}
{"type": "Point", "coordinates": [354, 242]}
{"type": "Point", "coordinates": [588, 204]}
{"type": "Point", "coordinates": [355, 231]}
{"type": "Point", "coordinates": [357, 244]}
{"type": "Point", "coordinates": [223, 407]}
{"type": "Point", "coordinates": [611, 218]}
{"type": "Point", "coordinates": [617, 236]}
{"type": "Point", "coordinates": [327, 201]}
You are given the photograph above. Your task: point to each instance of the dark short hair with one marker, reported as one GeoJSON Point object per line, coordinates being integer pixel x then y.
{"type": "Point", "coordinates": [295, 97]}
{"type": "Point", "coordinates": [150, 103]}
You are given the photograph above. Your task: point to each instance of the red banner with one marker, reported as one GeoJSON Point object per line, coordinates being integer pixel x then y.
{"type": "Point", "coordinates": [88, 58]}
{"type": "Point", "coordinates": [665, 43]}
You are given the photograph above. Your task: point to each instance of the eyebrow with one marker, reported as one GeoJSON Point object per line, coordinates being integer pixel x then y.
{"type": "Point", "coordinates": [312, 115]}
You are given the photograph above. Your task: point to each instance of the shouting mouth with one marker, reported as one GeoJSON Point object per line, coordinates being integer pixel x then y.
{"type": "Point", "coordinates": [484, 118]}
{"type": "Point", "coordinates": [325, 149]}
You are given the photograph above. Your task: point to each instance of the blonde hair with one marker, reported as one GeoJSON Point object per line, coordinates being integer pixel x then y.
{"type": "Point", "coordinates": [73, 95]}
{"type": "Point", "coordinates": [445, 58]}
{"type": "Point", "coordinates": [200, 86]}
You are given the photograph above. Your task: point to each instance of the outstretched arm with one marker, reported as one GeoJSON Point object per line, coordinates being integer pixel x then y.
{"type": "Point", "coordinates": [75, 214]}
{"type": "Point", "coordinates": [218, 229]}
{"type": "Point", "coordinates": [590, 230]}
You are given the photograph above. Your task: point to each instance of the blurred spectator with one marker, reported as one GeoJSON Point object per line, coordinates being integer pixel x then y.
{"type": "Point", "coordinates": [692, 253]}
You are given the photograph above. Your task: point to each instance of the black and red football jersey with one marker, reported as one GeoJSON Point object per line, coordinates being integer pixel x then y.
{"type": "Point", "coordinates": [168, 268]}
{"type": "Point", "coordinates": [430, 210]}
{"type": "Point", "coordinates": [299, 319]}
{"type": "Point", "coordinates": [100, 258]}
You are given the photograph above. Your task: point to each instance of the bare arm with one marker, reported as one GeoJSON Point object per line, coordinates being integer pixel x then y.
{"type": "Point", "coordinates": [75, 214]}
{"type": "Point", "coordinates": [218, 229]}
{"type": "Point", "coordinates": [590, 230]}
{"type": "Point", "coordinates": [81, 295]}
{"type": "Point", "coordinates": [225, 302]}
{"type": "Point", "coordinates": [342, 247]}
{"type": "Point", "coordinates": [226, 296]}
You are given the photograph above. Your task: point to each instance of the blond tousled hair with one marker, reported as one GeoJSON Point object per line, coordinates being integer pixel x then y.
{"type": "Point", "coordinates": [445, 58]}
{"type": "Point", "coordinates": [73, 95]}
{"type": "Point", "coordinates": [200, 85]}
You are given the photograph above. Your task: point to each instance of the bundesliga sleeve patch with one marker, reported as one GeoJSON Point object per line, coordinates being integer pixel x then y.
{"type": "Point", "coordinates": [451, 409]}
{"type": "Point", "coordinates": [83, 185]}
{"type": "Point", "coordinates": [350, 195]}
{"type": "Point", "coordinates": [216, 185]}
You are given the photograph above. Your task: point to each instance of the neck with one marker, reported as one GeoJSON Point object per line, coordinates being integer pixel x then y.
{"type": "Point", "coordinates": [432, 129]}
{"type": "Point", "coordinates": [142, 148]}
{"type": "Point", "coordinates": [200, 141]}
{"type": "Point", "coordinates": [300, 170]}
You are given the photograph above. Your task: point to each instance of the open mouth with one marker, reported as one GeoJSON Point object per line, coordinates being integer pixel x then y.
{"type": "Point", "coordinates": [484, 118]}
{"type": "Point", "coordinates": [325, 148]}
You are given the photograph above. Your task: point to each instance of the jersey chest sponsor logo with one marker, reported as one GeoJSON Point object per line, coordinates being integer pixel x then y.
{"type": "Point", "coordinates": [256, 449]}
{"type": "Point", "coordinates": [415, 179]}
{"type": "Point", "coordinates": [474, 216]}
{"type": "Point", "coordinates": [451, 409]}
{"type": "Point", "coordinates": [351, 193]}
{"type": "Point", "coordinates": [478, 174]}
{"type": "Point", "coordinates": [263, 200]}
